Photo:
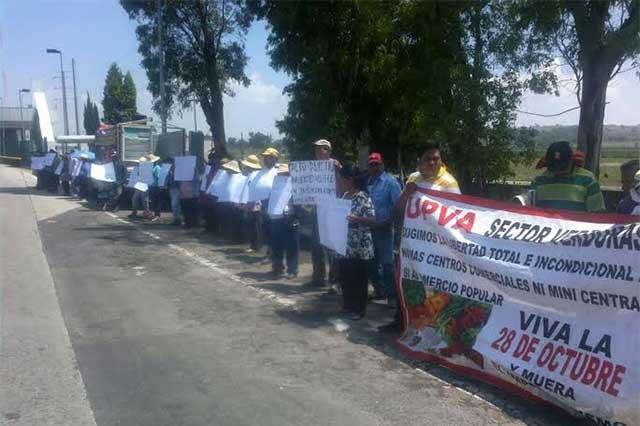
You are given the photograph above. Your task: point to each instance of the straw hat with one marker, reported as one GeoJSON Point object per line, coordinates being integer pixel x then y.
{"type": "Point", "coordinates": [142, 159]}
{"type": "Point", "coordinates": [152, 157]}
{"type": "Point", "coordinates": [270, 152]}
{"type": "Point", "coordinates": [232, 166]}
{"type": "Point", "coordinates": [252, 162]}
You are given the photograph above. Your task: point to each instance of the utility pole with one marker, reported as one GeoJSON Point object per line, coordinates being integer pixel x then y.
{"type": "Point", "coordinates": [64, 91]}
{"type": "Point", "coordinates": [20, 92]}
{"type": "Point", "coordinates": [163, 101]}
{"type": "Point", "coordinates": [75, 94]}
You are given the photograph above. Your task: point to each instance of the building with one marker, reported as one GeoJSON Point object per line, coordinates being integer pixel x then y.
{"type": "Point", "coordinates": [13, 122]}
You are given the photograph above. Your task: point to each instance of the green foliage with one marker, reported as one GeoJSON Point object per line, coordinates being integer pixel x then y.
{"type": "Point", "coordinates": [91, 117]}
{"type": "Point", "coordinates": [203, 45]}
{"type": "Point", "coordinates": [119, 96]}
{"type": "Point", "coordinates": [391, 75]}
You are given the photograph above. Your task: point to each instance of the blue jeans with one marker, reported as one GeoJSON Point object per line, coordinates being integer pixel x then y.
{"type": "Point", "coordinates": [284, 239]}
{"type": "Point", "coordinates": [383, 261]}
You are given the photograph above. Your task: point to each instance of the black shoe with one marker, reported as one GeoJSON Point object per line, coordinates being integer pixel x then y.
{"type": "Point", "coordinates": [394, 326]}
{"type": "Point", "coordinates": [377, 296]}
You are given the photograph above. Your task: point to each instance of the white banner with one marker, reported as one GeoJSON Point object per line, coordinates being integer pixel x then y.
{"type": "Point", "coordinates": [133, 178]}
{"type": "Point", "coordinates": [145, 172]}
{"type": "Point", "coordinates": [333, 225]}
{"type": "Point", "coordinates": [77, 167]}
{"type": "Point", "coordinates": [37, 163]}
{"type": "Point", "coordinates": [244, 197]}
{"type": "Point", "coordinates": [205, 176]}
{"type": "Point", "coordinates": [141, 186]}
{"type": "Point", "coordinates": [543, 303]}
{"type": "Point", "coordinates": [58, 170]}
{"type": "Point", "coordinates": [185, 168]}
{"type": "Point", "coordinates": [261, 183]}
{"type": "Point", "coordinates": [280, 195]}
{"type": "Point", "coordinates": [218, 183]}
{"type": "Point", "coordinates": [312, 181]}
{"type": "Point", "coordinates": [103, 172]}
{"type": "Point", "coordinates": [164, 172]}
{"type": "Point", "coordinates": [232, 193]}
{"type": "Point", "coordinates": [49, 158]}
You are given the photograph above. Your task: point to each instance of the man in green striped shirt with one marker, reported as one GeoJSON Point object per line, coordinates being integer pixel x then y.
{"type": "Point", "coordinates": [565, 185]}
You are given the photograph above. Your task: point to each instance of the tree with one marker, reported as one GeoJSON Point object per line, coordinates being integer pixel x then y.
{"type": "Point", "coordinates": [595, 38]}
{"type": "Point", "coordinates": [91, 117]}
{"type": "Point", "coordinates": [391, 75]}
{"type": "Point", "coordinates": [203, 45]}
{"type": "Point", "coordinates": [119, 96]}
{"type": "Point", "coordinates": [129, 96]}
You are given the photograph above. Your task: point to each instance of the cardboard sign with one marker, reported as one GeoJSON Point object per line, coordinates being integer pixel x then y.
{"type": "Point", "coordinates": [280, 195]}
{"type": "Point", "coordinates": [312, 182]}
{"type": "Point", "coordinates": [103, 172]}
{"type": "Point", "coordinates": [333, 225]}
{"type": "Point", "coordinates": [185, 168]}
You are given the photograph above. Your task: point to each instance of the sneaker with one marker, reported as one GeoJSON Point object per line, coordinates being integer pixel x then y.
{"type": "Point", "coordinates": [377, 296]}
{"type": "Point", "coordinates": [394, 326]}
{"type": "Point", "coordinates": [292, 275]}
{"type": "Point", "coordinates": [249, 250]}
{"type": "Point", "coordinates": [155, 219]}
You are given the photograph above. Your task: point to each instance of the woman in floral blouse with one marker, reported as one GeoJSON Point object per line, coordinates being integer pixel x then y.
{"type": "Point", "coordinates": [353, 267]}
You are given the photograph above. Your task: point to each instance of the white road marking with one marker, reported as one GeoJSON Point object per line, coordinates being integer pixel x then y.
{"type": "Point", "coordinates": [263, 293]}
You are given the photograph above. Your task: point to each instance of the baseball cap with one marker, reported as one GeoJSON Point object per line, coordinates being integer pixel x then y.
{"type": "Point", "coordinates": [323, 142]}
{"type": "Point", "coordinates": [558, 156]}
{"type": "Point", "coordinates": [375, 157]}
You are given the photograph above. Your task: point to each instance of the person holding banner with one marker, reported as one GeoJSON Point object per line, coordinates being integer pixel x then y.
{"type": "Point", "coordinates": [322, 151]}
{"type": "Point", "coordinates": [284, 226]}
{"type": "Point", "coordinates": [269, 167]}
{"type": "Point", "coordinates": [140, 198]}
{"type": "Point", "coordinates": [155, 192]}
{"type": "Point", "coordinates": [565, 185]}
{"type": "Point", "coordinates": [432, 174]}
{"type": "Point", "coordinates": [630, 180]}
{"type": "Point", "coordinates": [116, 188]}
{"type": "Point", "coordinates": [65, 175]}
{"type": "Point", "coordinates": [174, 193]}
{"type": "Point", "coordinates": [353, 279]}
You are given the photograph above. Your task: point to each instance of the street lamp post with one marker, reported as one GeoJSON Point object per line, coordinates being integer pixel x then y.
{"type": "Point", "coordinates": [64, 91]}
{"type": "Point", "coordinates": [20, 92]}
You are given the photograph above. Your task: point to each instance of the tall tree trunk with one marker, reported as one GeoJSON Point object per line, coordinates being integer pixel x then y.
{"type": "Point", "coordinates": [594, 95]}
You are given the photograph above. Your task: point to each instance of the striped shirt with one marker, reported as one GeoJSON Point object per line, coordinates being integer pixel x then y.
{"type": "Point", "coordinates": [442, 181]}
{"type": "Point", "coordinates": [578, 191]}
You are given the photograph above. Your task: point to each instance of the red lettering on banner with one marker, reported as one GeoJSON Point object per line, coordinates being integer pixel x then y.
{"type": "Point", "coordinates": [456, 219]}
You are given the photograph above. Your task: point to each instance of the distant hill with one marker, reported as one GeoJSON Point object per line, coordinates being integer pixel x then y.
{"type": "Point", "coordinates": [614, 136]}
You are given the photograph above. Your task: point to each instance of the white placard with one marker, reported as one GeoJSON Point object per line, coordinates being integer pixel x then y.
{"type": "Point", "coordinates": [58, 170]}
{"type": "Point", "coordinates": [165, 168]}
{"type": "Point", "coordinates": [280, 195]}
{"type": "Point", "coordinates": [103, 172]}
{"type": "Point", "coordinates": [141, 186]}
{"type": "Point", "coordinates": [185, 167]}
{"type": "Point", "coordinates": [233, 191]}
{"type": "Point", "coordinates": [333, 225]}
{"type": "Point", "coordinates": [37, 163]}
{"type": "Point", "coordinates": [312, 181]}
{"type": "Point", "coordinates": [133, 178]}
{"type": "Point", "coordinates": [203, 182]}
{"type": "Point", "coordinates": [77, 167]}
{"type": "Point", "coordinates": [261, 184]}
{"type": "Point", "coordinates": [244, 197]}
{"type": "Point", "coordinates": [218, 183]}
{"type": "Point", "coordinates": [49, 158]}
{"type": "Point", "coordinates": [145, 172]}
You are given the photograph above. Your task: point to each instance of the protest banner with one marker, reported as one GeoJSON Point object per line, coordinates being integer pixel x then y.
{"type": "Point", "coordinates": [58, 170]}
{"type": "Point", "coordinates": [141, 186]}
{"type": "Point", "coordinates": [280, 195]}
{"type": "Point", "coordinates": [37, 163]}
{"type": "Point", "coordinates": [164, 172]}
{"type": "Point", "coordinates": [312, 181]}
{"type": "Point", "coordinates": [203, 181]}
{"type": "Point", "coordinates": [333, 225]}
{"type": "Point", "coordinates": [543, 303]}
{"type": "Point", "coordinates": [103, 172]}
{"type": "Point", "coordinates": [234, 186]}
{"type": "Point", "coordinates": [49, 158]}
{"type": "Point", "coordinates": [261, 184]}
{"type": "Point", "coordinates": [133, 178]}
{"type": "Point", "coordinates": [145, 172]}
{"type": "Point", "coordinates": [218, 183]}
{"type": "Point", "coordinates": [185, 167]}
{"type": "Point", "coordinates": [77, 167]}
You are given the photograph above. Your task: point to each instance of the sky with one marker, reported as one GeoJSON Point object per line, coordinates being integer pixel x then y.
{"type": "Point", "coordinates": [99, 32]}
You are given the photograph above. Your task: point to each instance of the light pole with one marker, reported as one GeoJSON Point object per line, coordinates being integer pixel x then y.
{"type": "Point", "coordinates": [64, 91]}
{"type": "Point", "coordinates": [20, 92]}
{"type": "Point", "coordinates": [75, 94]}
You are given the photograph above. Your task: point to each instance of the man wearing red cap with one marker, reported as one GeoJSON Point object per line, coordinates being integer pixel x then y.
{"type": "Point", "coordinates": [384, 191]}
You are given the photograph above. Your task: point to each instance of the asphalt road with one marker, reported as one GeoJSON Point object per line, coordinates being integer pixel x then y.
{"type": "Point", "coordinates": [112, 323]}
